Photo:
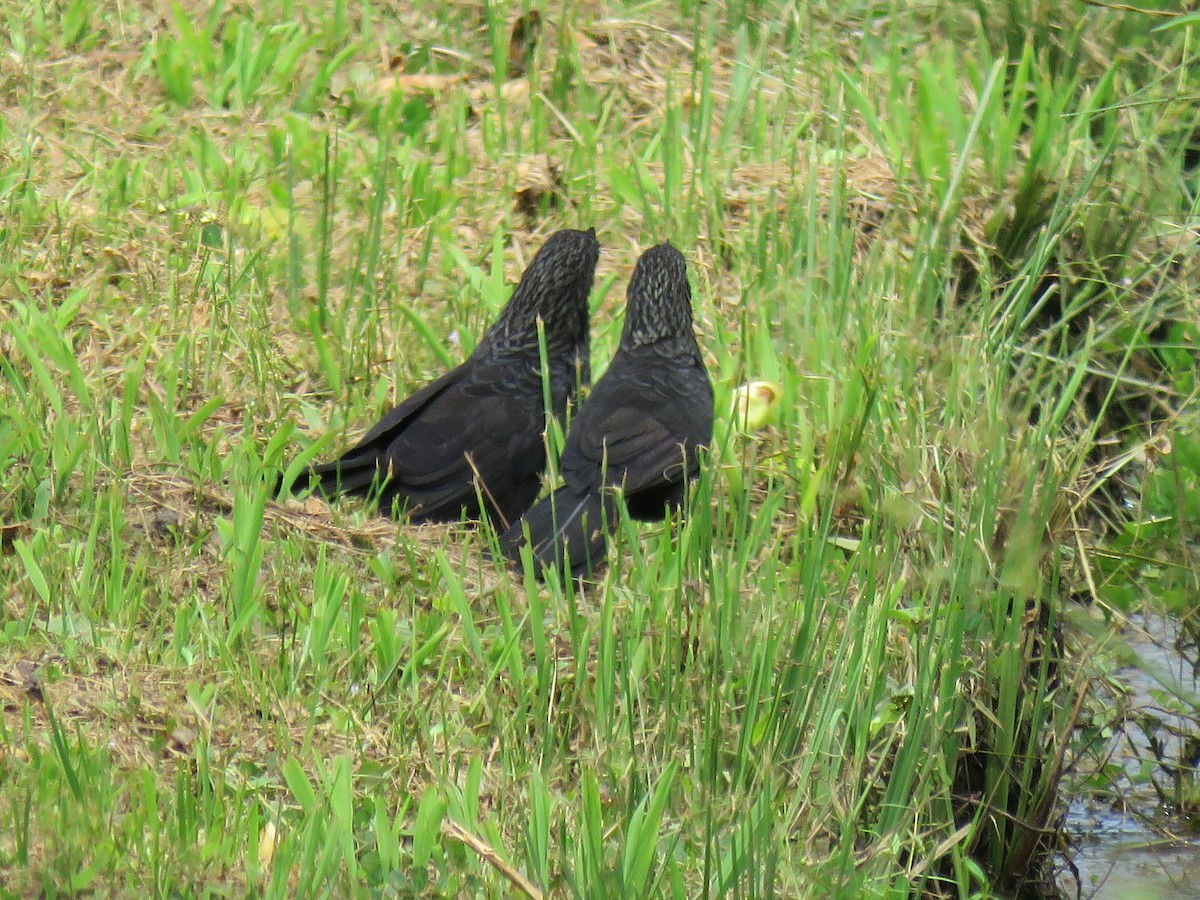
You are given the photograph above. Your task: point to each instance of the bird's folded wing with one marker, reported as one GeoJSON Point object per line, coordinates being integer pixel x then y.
{"type": "Point", "coordinates": [634, 447]}
{"type": "Point", "coordinates": [395, 421]}
{"type": "Point", "coordinates": [433, 445]}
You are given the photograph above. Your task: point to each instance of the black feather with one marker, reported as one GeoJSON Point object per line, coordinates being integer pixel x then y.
{"type": "Point", "coordinates": [477, 430]}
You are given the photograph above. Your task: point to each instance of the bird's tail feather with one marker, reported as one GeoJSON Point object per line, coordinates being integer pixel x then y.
{"type": "Point", "coordinates": [344, 476]}
{"type": "Point", "coordinates": [566, 531]}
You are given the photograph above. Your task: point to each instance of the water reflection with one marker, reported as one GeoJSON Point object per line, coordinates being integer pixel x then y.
{"type": "Point", "coordinates": [1139, 846]}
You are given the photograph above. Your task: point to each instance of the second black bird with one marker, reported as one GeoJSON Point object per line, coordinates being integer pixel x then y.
{"type": "Point", "coordinates": [639, 431]}
{"type": "Point", "coordinates": [477, 430]}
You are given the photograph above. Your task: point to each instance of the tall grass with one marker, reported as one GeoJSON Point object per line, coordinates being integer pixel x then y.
{"type": "Point", "coordinates": [956, 238]}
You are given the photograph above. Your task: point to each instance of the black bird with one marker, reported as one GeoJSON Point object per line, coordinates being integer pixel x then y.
{"type": "Point", "coordinates": [478, 429]}
{"type": "Point", "coordinates": [639, 430]}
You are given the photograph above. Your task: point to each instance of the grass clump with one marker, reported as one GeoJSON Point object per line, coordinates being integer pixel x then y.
{"type": "Point", "coordinates": [959, 240]}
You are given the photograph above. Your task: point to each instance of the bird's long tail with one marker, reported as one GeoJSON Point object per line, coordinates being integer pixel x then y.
{"type": "Point", "coordinates": [567, 531]}
{"type": "Point", "coordinates": [354, 473]}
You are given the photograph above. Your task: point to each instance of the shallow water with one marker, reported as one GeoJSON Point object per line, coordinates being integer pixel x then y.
{"type": "Point", "coordinates": [1138, 865]}
{"type": "Point", "coordinates": [1141, 848]}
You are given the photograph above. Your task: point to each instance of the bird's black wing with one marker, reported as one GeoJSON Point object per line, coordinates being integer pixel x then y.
{"type": "Point", "coordinates": [482, 419]}
{"type": "Point", "coordinates": [638, 423]}
{"type": "Point", "coordinates": [487, 426]}
{"type": "Point", "coordinates": [354, 471]}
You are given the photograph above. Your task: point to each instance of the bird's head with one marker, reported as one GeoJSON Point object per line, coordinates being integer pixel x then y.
{"type": "Point", "coordinates": [554, 289]}
{"type": "Point", "coordinates": [659, 301]}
